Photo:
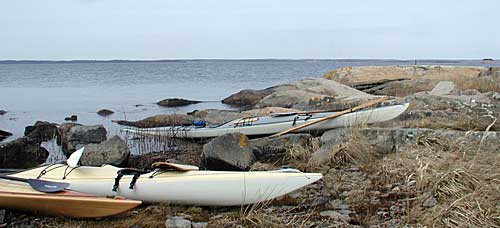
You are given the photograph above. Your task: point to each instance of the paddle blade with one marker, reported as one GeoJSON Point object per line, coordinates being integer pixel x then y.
{"type": "Point", "coordinates": [47, 186]}
{"type": "Point", "coordinates": [74, 158]}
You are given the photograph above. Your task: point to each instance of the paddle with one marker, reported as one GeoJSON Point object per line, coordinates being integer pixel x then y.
{"type": "Point", "coordinates": [40, 185]}
{"type": "Point", "coordinates": [74, 158]}
{"type": "Point", "coordinates": [335, 115]}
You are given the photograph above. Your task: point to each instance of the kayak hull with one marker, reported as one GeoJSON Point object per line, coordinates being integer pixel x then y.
{"type": "Point", "coordinates": [205, 188]}
{"type": "Point", "coordinates": [68, 203]}
{"type": "Point", "coordinates": [270, 125]}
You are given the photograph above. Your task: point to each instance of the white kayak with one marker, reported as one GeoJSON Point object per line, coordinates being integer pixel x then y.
{"type": "Point", "coordinates": [187, 186]}
{"type": "Point", "coordinates": [267, 125]}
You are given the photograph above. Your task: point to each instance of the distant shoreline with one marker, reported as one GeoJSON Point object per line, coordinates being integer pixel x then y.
{"type": "Point", "coordinates": [232, 60]}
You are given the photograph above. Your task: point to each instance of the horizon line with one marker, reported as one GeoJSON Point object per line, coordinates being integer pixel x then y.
{"type": "Point", "coordinates": [232, 59]}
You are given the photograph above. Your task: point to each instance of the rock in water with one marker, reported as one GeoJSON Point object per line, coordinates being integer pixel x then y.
{"type": "Point", "coordinates": [176, 102]}
{"type": "Point", "coordinates": [246, 97]}
{"type": "Point", "coordinates": [41, 131]}
{"type": "Point", "coordinates": [104, 112]}
{"type": "Point", "coordinates": [71, 118]}
{"type": "Point", "coordinates": [2, 112]}
{"type": "Point", "coordinates": [79, 136]}
{"type": "Point", "coordinates": [62, 133]}
{"type": "Point", "coordinates": [228, 152]}
{"type": "Point", "coordinates": [4, 134]}
{"type": "Point", "coordinates": [159, 121]}
{"type": "Point", "coordinates": [22, 153]}
{"type": "Point", "coordinates": [113, 151]}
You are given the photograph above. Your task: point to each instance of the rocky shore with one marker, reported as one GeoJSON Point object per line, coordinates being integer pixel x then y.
{"type": "Point", "coordinates": [435, 165]}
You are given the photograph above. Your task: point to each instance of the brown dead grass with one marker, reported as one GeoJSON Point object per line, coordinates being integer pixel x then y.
{"type": "Point", "coordinates": [355, 150]}
{"type": "Point", "coordinates": [464, 182]}
{"type": "Point", "coordinates": [481, 84]}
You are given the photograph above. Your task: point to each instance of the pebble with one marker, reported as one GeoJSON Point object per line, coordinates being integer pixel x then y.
{"type": "Point", "coordinates": [199, 224]}
{"type": "Point", "coordinates": [429, 202]}
{"type": "Point", "coordinates": [177, 222]}
{"type": "Point", "coordinates": [335, 215]}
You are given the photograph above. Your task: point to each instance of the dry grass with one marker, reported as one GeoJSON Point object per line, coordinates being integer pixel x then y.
{"type": "Point", "coordinates": [481, 84]}
{"type": "Point", "coordinates": [262, 215]}
{"type": "Point", "coordinates": [355, 150]}
{"type": "Point", "coordinates": [464, 183]}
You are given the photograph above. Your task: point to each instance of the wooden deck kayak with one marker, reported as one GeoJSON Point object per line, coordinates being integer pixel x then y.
{"type": "Point", "coordinates": [20, 196]}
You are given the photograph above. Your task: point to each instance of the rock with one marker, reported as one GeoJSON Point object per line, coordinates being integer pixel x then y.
{"type": "Point", "coordinates": [113, 151]}
{"type": "Point", "coordinates": [247, 97]}
{"type": "Point", "coordinates": [443, 88]}
{"type": "Point", "coordinates": [216, 117]}
{"type": "Point", "coordinates": [401, 80]}
{"type": "Point", "coordinates": [62, 133]}
{"type": "Point", "coordinates": [2, 112]}
{"type": "Point", "coordinates": [282, 147]}
{"type": "Point", "coordinates": [79, 136]}
{"type": "Point", "coordinates": [199, 224]}
{"type": "Point", "coordinates": [176, 102]}
{"type": "Point", "coordinates": [41, 131]}
{"type": "Point", "coordinates": [338, 204]}
{"type": "Point", "coordinates": [228, 152]}
{"type": "Point", "coordinates": [104, 112]}
{"type": "Point", "coordinates": [334, 215]}
{"type": "Point", "coordinates": [329, 140]}
{"type": "Point", "coordinates": [353, 76]}
{"type": "Point", "coordinates": [177, 222]}
{"type": "Point", "coordinates": [159, 121]}
{"type": "Point", "coordinates": [145, 160]}
{"type": "Point", "coordinates": [4, 134]}
{"type": "Point", "coordinates": [71, 118]}
{"type": "Point", "coordinates": [288, 98]}
{"type": "Point", "coordinates": [22, 153]}
{"type": "Point", "coordinates": [268, 111]}
{"type": "Point", "coordinates": [429, 202]}
{"type": "Point", "coordinates": [311, 93]}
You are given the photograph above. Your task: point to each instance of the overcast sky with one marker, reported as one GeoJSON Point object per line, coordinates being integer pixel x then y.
{"type": "Point", "coordinates": [165, 29]}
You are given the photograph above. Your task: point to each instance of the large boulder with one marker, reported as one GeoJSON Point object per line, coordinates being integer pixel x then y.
{"type": "Point", "coordinates": [113, 151]}
{"type": "Point", "coordinates": [268, 111]}
{"type": "Point", "coordinates": [62, 133]}
{"type": "Point", "coordinates": [41, 131]}
{"type": "Point", "coordinates": [22, 153]}
{"type": "Point", "coordinates": [273, 149]}
{"type": "Point", "coordinates": [288, 98]}
{"type": "Point", "coordinates": [312, 94]}
{"type": "Point", "coordinates": [405, 80]}
{"type": "Point", "coordinates": [357, 76]}
{"type": "Point", "coordinates": [159, 121]}
{"type": "Point", "coordinates": [247, 97]}
{"type": "Point", "coordinates": [79, 136]}
{"type": "Point", "coordinates": [4, 134]}
{"type": "Point", "coordinates": [176, 102]}
{"type": "Point", "coordinates": [228, 152]}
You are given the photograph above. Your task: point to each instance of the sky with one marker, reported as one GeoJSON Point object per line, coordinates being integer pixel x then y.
{"type": "Point", "coordinates": [237, 29]}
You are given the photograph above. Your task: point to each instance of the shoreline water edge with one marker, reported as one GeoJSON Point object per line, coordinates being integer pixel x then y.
{"type": "Point", "coordinates": [431, 161]}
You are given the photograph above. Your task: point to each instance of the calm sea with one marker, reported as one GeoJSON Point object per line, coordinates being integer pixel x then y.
{"type": "Point", "coordinates": [52, 91]}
